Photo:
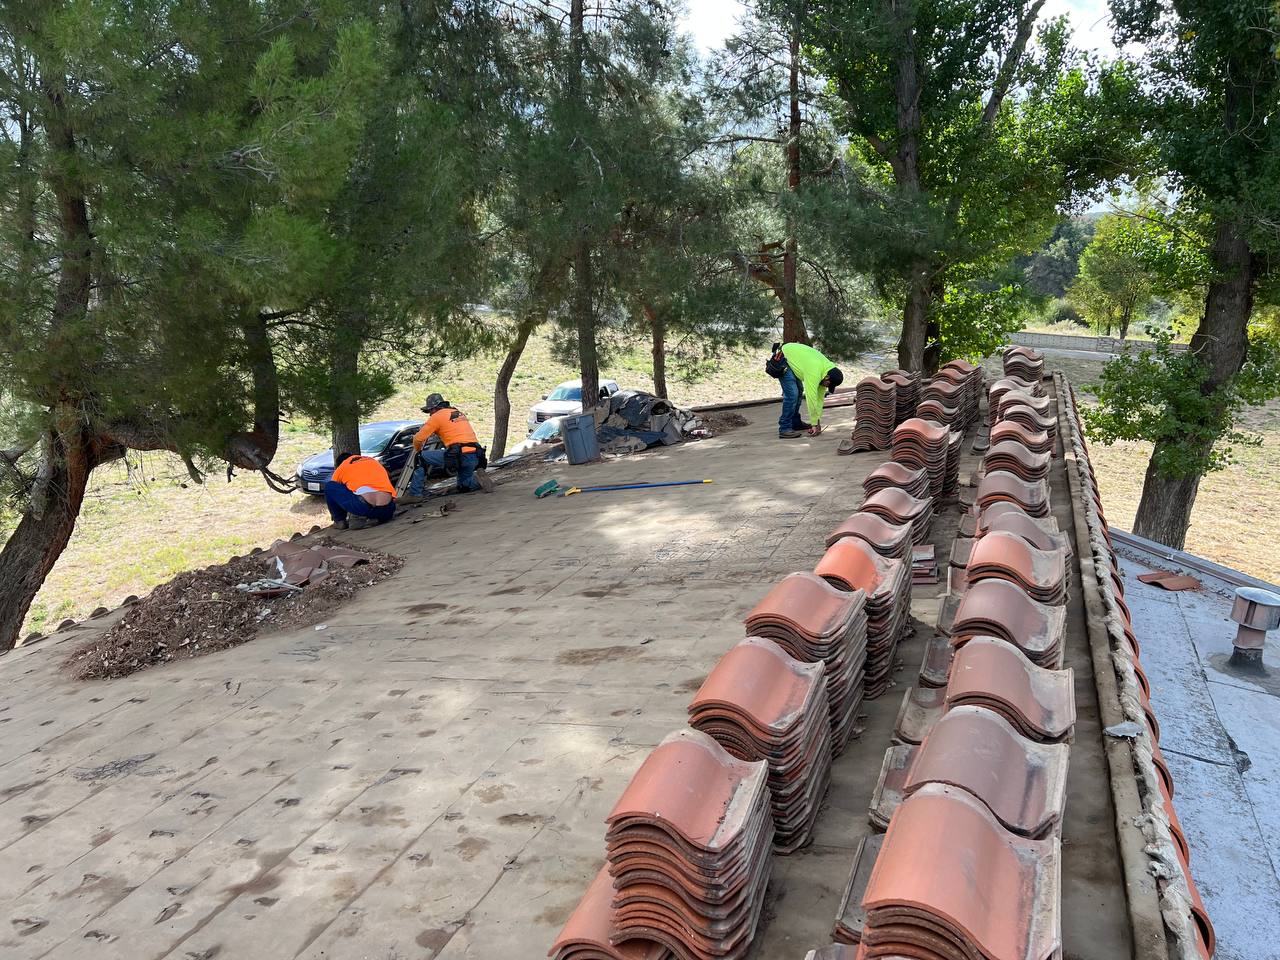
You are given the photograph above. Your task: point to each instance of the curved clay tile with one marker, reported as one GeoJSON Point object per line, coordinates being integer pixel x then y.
{"type": "Point", "coordinates": [758, 678]}
{"type": "Point", "coordinates": [1204, 926]}
{"type": "Point", "coordinates": [1014, 521]}
{"type": "Point", "coordinates": [1032, 497]}
{"type": "Point", "coordinates": [1011, 455]}
{"type": "Point", "coordinates": [1162, 768]}
{"type": "Point", "coordinates": [922, 432]}
{"type": "Point", "coordinates": [964, 366]}
{"type": "Point", "coordinates": [877, 385]}
{"type": "Point", "coordinates": [921, 707]}
{"type": "Point", "coordinates": [896, 505]}
{"type": "Point", "coordinates": [1007, 556]}
{"type": "Point", "coordinates": [883, 536]}
{"type": "Point", "coordinates": [1035, 440]}
{"type": "Point", "coordinates": [1024, 783]}
{"type": "Point", "coordinates": [1029, 417]}
{"type": "Point", "coordinates": [691, 786]}
{"type": "Point", "coordinates": [1040, 404]}
{"type": "Point", "coordinates": [904, 378]}
{"type": "Point", "coordinates": [948, 862]}
{"type": "Point", "coordinates": [914, 480]}
{"type": "Point", "coordinates": [1003, 609]}
{"type": "Point", "coordinates": [851, 564]}
{"type": "Point", "coordinates": [990, 672]}
{"type": "Point", "coordinates": [586, 933]}
{"type": "Point", "coordinates": [807, 603]}
{"type": "Point", "coordinates": [944, 387]}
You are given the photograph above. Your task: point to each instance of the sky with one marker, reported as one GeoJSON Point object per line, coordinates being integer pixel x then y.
{"type": "Point", "coordinates": [710, 21]}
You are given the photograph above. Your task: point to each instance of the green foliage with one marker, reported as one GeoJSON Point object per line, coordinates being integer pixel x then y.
{"type": "Point", "coordinates": [981, 139]}
{"type": "Point", "coordinates": [1158, 397]}
{"type": "Point", "coordinates": [976, 319]}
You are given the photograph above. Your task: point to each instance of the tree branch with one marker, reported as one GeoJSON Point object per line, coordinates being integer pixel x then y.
{"type": "Point", "coordinates": [1012, 57]}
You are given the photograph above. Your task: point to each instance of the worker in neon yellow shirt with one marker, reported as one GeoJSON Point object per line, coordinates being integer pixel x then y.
{"type": "Point", "coordinates": [807, 370]}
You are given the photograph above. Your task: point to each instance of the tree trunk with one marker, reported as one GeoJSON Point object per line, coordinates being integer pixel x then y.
{"type": "Point", "coordinates": [256, 449]}
{"type": "Point", "coordinates": [1164, 511]}
{"type": "Point", "coordinates": [658, 332]}
{"type": "Point", "coordinates": [1126, 315]}
{"type": "Point", "coordinates": [915, 323]}
{"type": "Point", "coordinates": [344, 405]}
{"type": "Point", "coordinates": [793, 328]}
{"type": "Point", "coordinates": [585, 321]}
{"type": "Point", "coordinates": [1222, 343]}
{"type": "Point", "coordinates": [34, 547]}
{"type": "Point", "coordinates": [501, 400]}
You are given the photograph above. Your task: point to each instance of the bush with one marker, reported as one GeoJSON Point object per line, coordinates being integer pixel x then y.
{"type": "Point", "coordinates": [1064, 311]}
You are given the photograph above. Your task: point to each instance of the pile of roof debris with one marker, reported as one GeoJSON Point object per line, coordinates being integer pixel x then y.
{"type": "Point", "coordinates": [293, 584]}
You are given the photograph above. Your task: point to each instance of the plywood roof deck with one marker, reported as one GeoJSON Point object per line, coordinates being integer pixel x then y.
{"type": "Point", "coordinates": [429, 775]}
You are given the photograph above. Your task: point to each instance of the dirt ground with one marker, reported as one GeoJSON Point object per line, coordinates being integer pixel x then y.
{"type": "Point", "coordinates": [201, 612]}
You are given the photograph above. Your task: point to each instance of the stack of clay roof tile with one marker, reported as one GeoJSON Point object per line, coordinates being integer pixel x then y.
{"type": "Point", "coordinates": [877, 412]}
{"type": "Point", "coordinates": [913, 480]}
{"type": "Point", "coordinates": [759, 703]}
{"type": "Point", "coordinates": [999, 486]}
{"type": "Point", "coordinates": [970, 376]}
{"type": "Point", "coordinates": [897, 506]}
{"type": "Point", "coordinates": [851, 564]}
{"type": "Point", "coordinates": [1014, 410]}
{"type": "Point", "coordinates": [999, 608]}
{"type": "Point", "coordinates": [951, 478]}
{"type": "Point", "coordinates": [586, 934]}
{"type": "Point", "coordinates": [1037, 441]}
{"type": "Point", "coordinates": [1183, 909]}
{"type": "Point", "coordinates": [1022, 782]}
{"type": "Point", "coordinates": [924, 564]}
{"type": "Point", "coordinates": [923, 444]}
{"type": "Point", "coordinates": [1013, 457]}
{"type": "Point", "coordinates": [908, 391]}
{"type": "Point", "coordinates": [688, 847]}
{"type": "Point", "coordinates": [951, 882]}
{"type": "Point", "coordinates": [1024, 363]}
{"type": "Point", "coordinates": [1007, 517]}
{"type": "Point", "coordinates": [1041, 574]}
{"type": "Point", "coordinates": [892, 540]}
{"type": "Point", "coordinates": [993, 674]}
{"type": "Point", "coordinates": [1042, 405]}
{"type": "Point", "coordinates": [998, 388]}
{"type": "Point", "coordinates": [951, 398]}
{"type": "Point", "coordinates": [814, 621]}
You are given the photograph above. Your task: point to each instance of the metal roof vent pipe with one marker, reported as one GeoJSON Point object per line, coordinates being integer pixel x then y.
{"type": "Point", "coordinates": [1257, 611]}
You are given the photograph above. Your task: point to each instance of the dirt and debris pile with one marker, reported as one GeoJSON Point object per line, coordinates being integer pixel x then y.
{"type": "Point", "coordinates": [202, 611]}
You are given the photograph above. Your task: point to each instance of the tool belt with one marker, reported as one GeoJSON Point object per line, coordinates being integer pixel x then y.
{"type": "Point", "coordinates": [453, 456]}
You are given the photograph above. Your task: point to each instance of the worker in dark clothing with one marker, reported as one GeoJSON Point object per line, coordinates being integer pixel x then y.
{"type": "Point", "coordinates": [359, 487]}
{"type": "Point", "coordinates": [800, 368]}
{"type": "Point", "coordinates": [461, 454]}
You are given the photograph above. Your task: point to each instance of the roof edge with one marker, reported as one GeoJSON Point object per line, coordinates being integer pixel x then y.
{"type": "Point", "coordinates": [1181, 558]}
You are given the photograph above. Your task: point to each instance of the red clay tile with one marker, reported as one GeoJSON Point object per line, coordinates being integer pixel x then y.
{"type": "Point", "coordinates": [886, 538]}
{"type": "Point", "coordinates": [1003, 609]}
{"type": "Point", "coordinates": [1007, 556]}
{"type": "Point", "coordinates": [850, 916]}
{"type": "Point", "coordinates": [999, 486]}
{"type": "Point", "coordinates": [1010, 518]}
{"type": "Point", "coordinates": [913, 480]}
{"type": "Point", "coordinates": [1037, 441]}
{"type": "Point", "coordinates": [1039, 703]}
{"type": "Point", "coordinates": [586, 934]}
{"type": "Point", "coordinates": [1170, 581]}
{"type": "Point", "coordinates": [808, 603]}
{"type": "Point", "coordinates": [948, 870]}
{"type": "Point", "coordinates": [1023, 783]}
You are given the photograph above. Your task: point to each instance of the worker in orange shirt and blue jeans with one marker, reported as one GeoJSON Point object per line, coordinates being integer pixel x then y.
{"type": "Point", "coordinates": [461, 453]}
{"type": "Point", "coordinates": [359, 487]}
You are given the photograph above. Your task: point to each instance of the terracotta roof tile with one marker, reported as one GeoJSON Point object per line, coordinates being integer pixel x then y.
{"type": "Point", "coordinates": [991, 673]}
{"type": "Point", "coordinates": [877, 413]}
{"type": "Point", "coordinates": [950, 878]}
{"type": "Point", "coordinates": [913, 480]}
{"type": "Point", "coordinates": [1013, 457]}
{"type": "Point", "coordinates": [586, 934]}
{"type": "Point", "coordinates": [1022, 782]}
{"type": "Point", "coordinates": [889, 539]}
{"type": "Point", "coordinates": [1003, 609]}
{"type": "Point", "coordinates": [897, 506]}
{"type": "Point", "coordinates": [997, 486]}
{"type": "Point", "coordinates": [1007, 556]}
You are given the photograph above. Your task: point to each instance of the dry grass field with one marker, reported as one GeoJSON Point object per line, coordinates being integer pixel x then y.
{"type": "Point", "coordinates": [146, 522]}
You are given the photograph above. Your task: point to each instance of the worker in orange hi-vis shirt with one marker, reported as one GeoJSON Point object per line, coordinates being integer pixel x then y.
{"type": "Point", "coordinates": [359, 487]}
{"type": "Point", "coordinates": [461, 455]}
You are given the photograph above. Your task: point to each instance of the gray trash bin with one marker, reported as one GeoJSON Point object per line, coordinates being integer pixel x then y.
{"type": "Point", "coordinates": [579, 433]}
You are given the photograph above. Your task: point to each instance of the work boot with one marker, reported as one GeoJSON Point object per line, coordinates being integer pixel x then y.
{"type": "Point", "coordinates": [340, 525]}
{"type": "Point", "coordinates": [409, 499]}
{"type": "Point", "coordinates": [360, 523]}
{"type": "Point", "coordinates": [485, 481]}
{"type": "Point", "coordinates": [788, 434]}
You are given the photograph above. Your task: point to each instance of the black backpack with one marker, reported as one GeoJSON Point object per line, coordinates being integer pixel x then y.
{"type": "Point", "coordinates": [776, 365]}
